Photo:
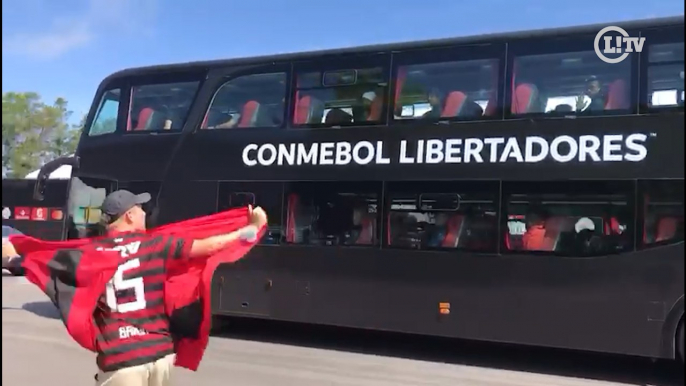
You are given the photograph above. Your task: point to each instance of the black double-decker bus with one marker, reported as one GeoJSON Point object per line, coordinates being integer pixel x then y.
{"type": "Point", "coordinates": [508, 188]}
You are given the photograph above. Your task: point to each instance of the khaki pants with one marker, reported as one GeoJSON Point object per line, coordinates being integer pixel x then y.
{"type": "Point", "coordinates": [156, 373]}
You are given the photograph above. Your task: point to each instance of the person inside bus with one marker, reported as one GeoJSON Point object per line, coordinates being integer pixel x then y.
{"type": "Point", "coordinates": [472, 110]}
{"type": "Point", "coordinates": [535, 237]}
{"type": "Point", "coordinates": [363, 109]}
{"type": "Point", "coordinates": [229, 123]}
{"type": "Point", "coordinates": [337, 117]}
{"type": "Point", "coordinates": [435, 99]}
{"type": "Point", "coordinates": [593, 98]}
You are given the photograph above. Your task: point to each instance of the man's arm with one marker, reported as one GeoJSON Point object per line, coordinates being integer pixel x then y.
{"type": "Point", "coordinates": [213, 244]}
{"type": "Point", "coordinates": [8, 252]}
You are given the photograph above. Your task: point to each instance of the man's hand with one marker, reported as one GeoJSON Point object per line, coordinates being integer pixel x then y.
{"type": "Point", "coordinates": [205, 247]}
{"type": "Point", "coordinates": [257, 216]}
{"type": "Point", "coordinates": [580, 102]}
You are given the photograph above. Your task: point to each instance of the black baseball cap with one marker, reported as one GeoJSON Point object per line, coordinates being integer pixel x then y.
{"type": "Point", "coordinates": [119, 201]}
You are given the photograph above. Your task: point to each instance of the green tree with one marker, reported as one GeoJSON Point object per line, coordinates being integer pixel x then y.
{"type": "Point", "coordinates": [34, 132]}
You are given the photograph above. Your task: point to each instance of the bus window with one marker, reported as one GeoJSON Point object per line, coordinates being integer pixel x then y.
{"type": "Point", "coordinates": [160, 107]}
{"type": "Point", "coordinates": [105, 121]}
{"type": "Point", "coordinates": [335, 98]}
{"type": "Point", "coordinates": [569, 83]}
{"type": "Point", "coordinates": [268, 195]}
{"type": "Point", "coordinates": [666, 75]}
{"type": "Point", "coordinates": [663, 212]}
{"type": "Point", "coordinates": [580, 218]}
{"type": "Point", "coordinates": [446, 90]}
{"type": "Point", "coordinates": [255, 100]}
{"type": "Point", "coordinates": [332, 214]}
{"type": "Point", "coordinates": [440, 216]}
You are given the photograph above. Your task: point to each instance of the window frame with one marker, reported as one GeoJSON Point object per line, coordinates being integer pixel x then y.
{"type": "Point", "coordinates": [550, 45]}
{"type": "Point", "coordinates": [223, 76]}
{"type": "Point", "coordinates": [341, 62]}
{"type": "Point", "coordinates": [644, 186]}
{"type": "Point", "coordinates": [98, 109]}
{"type": "Point", "coordinates": [437, 187]}
{"type": "Point", "coordinates": [377, 187]}
{"type": "Point", "coordinates": [105, 86]}
{"type": "Point", "coordinates": [656, 36]}
{"type": "Point", "coordinates": [541, 188]}
{"type": "Point", "coordinates": [459, 53]}
{"type": "Point", "coordinates": [156, 79]}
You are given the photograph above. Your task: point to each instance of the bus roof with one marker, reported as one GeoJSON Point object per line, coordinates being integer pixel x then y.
{"type": "Point", "coordinates": [474, 39]}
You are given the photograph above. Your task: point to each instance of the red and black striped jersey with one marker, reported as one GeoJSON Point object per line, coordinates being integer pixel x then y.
{"type": "Point", "coordinates": [133, 327]}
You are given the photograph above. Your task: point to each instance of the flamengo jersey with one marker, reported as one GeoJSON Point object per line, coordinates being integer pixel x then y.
{"type": "Point", "coordinates": [132, 324]}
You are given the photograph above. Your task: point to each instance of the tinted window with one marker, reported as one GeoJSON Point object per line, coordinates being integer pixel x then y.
{"type": "Point", "coordinates": [443, 216]}
{"type": "Point", "coordinates": [666, 75]}
{"type": "Point", "coordinates": [248, 101]}
{"type": "Point", "coordinates": [268, 195]}
{"type": "Point", "coordinates": [663, 211]}
{"type": "Point", "coordinates": [461, 89]}
{"type": "Point", "coordinates": [569, 83]}
{"type": "Point", "coordinates": [332, 213]}
{"type": "Point", "coordinates": [161, 106]}
{"type": "Point", "coordinates": [105, 121]}
{"type": "Point", "coordinates": [580, 218]}
{"type": "Point", "coordinates": [345, 97]}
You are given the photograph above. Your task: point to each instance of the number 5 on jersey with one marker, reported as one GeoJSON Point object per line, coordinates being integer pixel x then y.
{"type": "Point", "coordinates": [118, 283]}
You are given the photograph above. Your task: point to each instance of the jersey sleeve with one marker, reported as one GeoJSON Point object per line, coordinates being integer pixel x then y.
{"type": "Point", "coordinates": [178, 247]}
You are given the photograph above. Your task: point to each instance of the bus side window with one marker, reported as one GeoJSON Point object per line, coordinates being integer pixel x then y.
{"type": "Point", "coordinates": [342, 97]}
{"type": "Point", "coordinates": [105, 121]}
{"type": "Point", "coordinates": [268, 195]}
{"type": "Point", "coordinates": [466, 89]}
{"type": "Point", "coordinates": [443, 215]}
{"type": "Point", "coordinates": [663, 212]}
{"type": "Point", "coordinates": [256, 100]}
{"type": "Point", "coordinates": [332, 213]}
{"type": "Point", "coordinates": [158, 107]}
{"type": "Point", "coordinates": [666, 75]}
{"type": "Point", "coordinates": [574, 82]}
{"type": "Point", "coordinates": [580, 218]}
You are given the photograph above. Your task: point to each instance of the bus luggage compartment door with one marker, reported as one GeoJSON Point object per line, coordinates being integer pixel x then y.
{"type": "Point", "coordinates": [239, 291]}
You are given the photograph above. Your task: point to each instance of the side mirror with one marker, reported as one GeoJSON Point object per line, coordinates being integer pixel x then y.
{"type": "Point", "coordinates": [49, 168]}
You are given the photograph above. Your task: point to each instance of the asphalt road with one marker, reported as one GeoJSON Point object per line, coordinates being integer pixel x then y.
{"type": "Point", "coordinates": [37, 351]}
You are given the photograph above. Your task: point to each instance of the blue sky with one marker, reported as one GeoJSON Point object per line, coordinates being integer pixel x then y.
{"type": "Point", "coordinates": [66, 47]}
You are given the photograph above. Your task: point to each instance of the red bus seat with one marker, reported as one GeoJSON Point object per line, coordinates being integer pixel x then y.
{"type": "Point", "coordinates": [454, 229]}
{"type": "Point", "coordinates": [368, 231]}
{"type": "Point", "coordinates": [524, 98]}
{"type": "Point", "coordinates": [454, 103]}
{"type": "Point", "coordinates": [666, 229]}
{"type": "Point", "coordinates": [249, 114]}
{"type": "Point", "coordinates": [617, 96]}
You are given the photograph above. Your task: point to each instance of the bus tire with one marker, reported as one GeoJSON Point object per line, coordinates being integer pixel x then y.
{"type": "Point", "coordinates": [680, 342]}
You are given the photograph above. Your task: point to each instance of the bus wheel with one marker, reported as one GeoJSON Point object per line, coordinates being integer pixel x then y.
{"type": "Point", "coordinates": [680, 342]}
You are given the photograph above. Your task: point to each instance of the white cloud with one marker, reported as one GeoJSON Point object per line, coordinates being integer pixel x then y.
{"type": "Point", "coordinates": [81, 27]}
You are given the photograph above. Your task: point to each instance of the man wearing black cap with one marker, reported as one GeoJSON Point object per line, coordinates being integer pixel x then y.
{"type": "Point", "coordinates": [593, 98]}
{"type": "Point", "coordinates": [134, 344]}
